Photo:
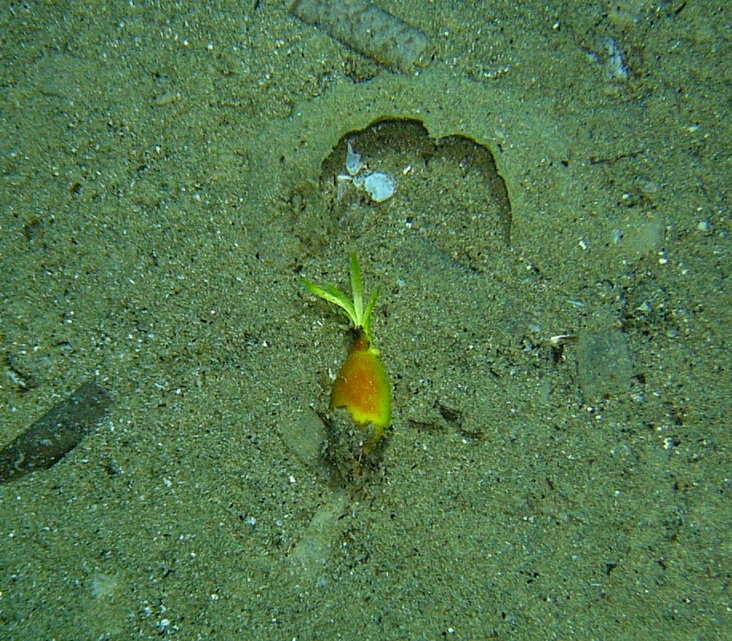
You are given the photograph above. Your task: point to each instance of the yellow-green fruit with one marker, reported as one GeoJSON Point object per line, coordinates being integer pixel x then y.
{"type": "Point", "coordinates": [362, 387]}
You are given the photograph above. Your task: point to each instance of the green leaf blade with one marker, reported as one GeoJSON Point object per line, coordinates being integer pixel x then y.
{"type": "Point", "coordinates": [357, 289]}
{"type": "Point", "coordinates": [332, 295]}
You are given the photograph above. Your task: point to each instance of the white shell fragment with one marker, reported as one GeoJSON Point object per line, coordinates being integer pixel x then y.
{"type": "Point", "coordinates": [379, 186]}
{"type": "Point", "coordinates": [353, 161]}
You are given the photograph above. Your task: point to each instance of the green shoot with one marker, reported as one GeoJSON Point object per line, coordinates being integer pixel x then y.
{"type": "Point", "coordinates": [353, 307]}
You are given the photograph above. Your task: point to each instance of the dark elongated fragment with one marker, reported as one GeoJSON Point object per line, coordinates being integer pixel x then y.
{"type": "Point", "coordinates": [56, 433]}
{"type": "Point", "coordinates": [366, 28]}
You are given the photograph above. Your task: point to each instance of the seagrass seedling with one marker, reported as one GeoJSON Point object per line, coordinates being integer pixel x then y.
{"type": "Point", "coordinates": [362, 386]}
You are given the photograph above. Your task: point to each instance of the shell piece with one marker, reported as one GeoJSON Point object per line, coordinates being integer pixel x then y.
{"type": "Point", "coordinates": [353, 161]}
{"type": "Point", "coordinates": [380, 186]}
